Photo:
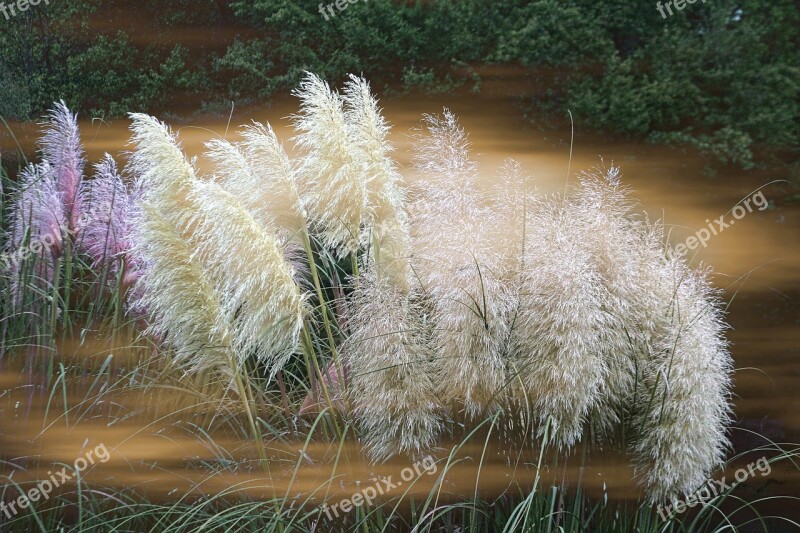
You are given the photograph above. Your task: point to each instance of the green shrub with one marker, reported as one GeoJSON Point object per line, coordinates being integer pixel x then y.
{"type": "Point", "coordinates": [716, 76]}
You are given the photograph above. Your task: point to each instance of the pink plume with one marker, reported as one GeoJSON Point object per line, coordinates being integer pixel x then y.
{"type": "Point", "coordinates": [61, 147]}
{"type": "Point", "coordinates": [37, 224]}
{"type": "Point", "coordinates": [103, 228]}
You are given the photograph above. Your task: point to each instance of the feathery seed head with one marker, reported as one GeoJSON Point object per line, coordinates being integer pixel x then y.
{"type": "Point", "coordinates": [334, 184]}
{"type": "Point", "coordinates": [392, 379]}
{"type": "Point", "coordinates": [163, 174]}
{"type": "Point", "coordinates": [386, 196]}
{"type": "Point", "coordinates": [247, 267]}
{"type": "Point", "coordinates": [37, 226]}
{"type": "Point", "coordinates": [182, 305]}
{"type": "Point", "coordinates": [105, 226]}
{"type": "Point", "coordinates": [61, 148]}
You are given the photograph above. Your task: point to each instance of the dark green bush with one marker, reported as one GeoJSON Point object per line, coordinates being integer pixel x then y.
{"type": "Point", "coordinates": [719, 76]}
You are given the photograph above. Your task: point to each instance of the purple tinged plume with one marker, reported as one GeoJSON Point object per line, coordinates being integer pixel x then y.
{"type": "Point", "coordinates": [61, 147]}
{"type": "Point", "coordinates": [104, 226]}
{"type": "Point", "coordinates": [37, 225]}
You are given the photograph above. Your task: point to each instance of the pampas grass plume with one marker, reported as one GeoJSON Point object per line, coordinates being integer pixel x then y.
{"type": "Point", "coordinates": [61, 148]}
{"type": "Point", "coordinates": [104, 229]}
{"type": "Point", "coordinates": [458, 268]}
{"type": "Point", "coordinates": [688, 386]}
{"type": "Point", "coordinates": [333, 182]}
{"type": "Point", "coordinates": [248, 268]}
{"type": "Point", "coordinates": [386, 196]}
{"type": "Point", "coordinates": [38, 225]}
{"type": "Point", "coordinates": [392, 379]}
{"type": "Point", "coordinates": [183, 307]}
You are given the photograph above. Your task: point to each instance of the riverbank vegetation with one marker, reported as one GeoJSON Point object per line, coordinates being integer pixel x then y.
{"type": "Point", "coordinates": [717, 76]}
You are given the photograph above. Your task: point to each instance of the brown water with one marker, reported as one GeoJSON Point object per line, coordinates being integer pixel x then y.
{"type": "Point", "coordinates": [755, 262]}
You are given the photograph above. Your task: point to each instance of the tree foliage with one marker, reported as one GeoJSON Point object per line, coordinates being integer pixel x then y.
{"type": "Point", "coordinates": [720, 76]}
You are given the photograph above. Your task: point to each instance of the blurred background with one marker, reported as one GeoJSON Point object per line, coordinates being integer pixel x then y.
{"type": "Point", "coordinates": [717, 76]}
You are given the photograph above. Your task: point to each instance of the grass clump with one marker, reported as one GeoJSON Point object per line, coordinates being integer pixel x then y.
{"type": "Point", "coordinates": [406, 316]}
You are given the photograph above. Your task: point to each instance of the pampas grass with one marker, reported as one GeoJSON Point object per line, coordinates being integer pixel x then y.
{"type": "Point", "coordinates": [461, 301]}
{"type": "Point", "coordinates": [37, 228]}
{"type": "Point", "coordinates": [459, 304]}
{"type": "Point", "coordinates": [457, 266]}
{"type": "Point", "coordinates": [163, 175]}
{"type": "Point", "coordinates": [105, 226]}
{"type": "Point", "coordinates": [573, 315]}
{"type": "Point", "coordinates": [385, 191]}
{"type": "Point", "coordinates": [248, 269]}
{"type": "Point", "coordinates": [687, 410]}
{"type": "Point", "coordinates": [260, 174]}
{"type": "Point", "coordinates": [333, 180]}
{"type": "Point", "coordinates": [46, 210]}
{"type": "Point", "coordinates": [186, 312]}
{"type": "Point", "coordinates": [393, 387]}
{"type": "Point", "coordinates": [260, 304]}
{"type": "Point", "coordinates": [61, 147]}
{"type": "Point", "coordinates": [559, 338]}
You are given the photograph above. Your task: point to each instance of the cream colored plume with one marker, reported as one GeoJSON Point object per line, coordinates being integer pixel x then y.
{"type": "Point", "coordinates": [386, 195]}
{"type": "Point", "coordinates": [245, 263]}
{"type": "Point", "coordinates": [459, 269]}
{"type": "Point", "coordinates": [626, 252]}
{"type": "Point", "coordinates": [259, 173]}
{"type": "Point", "coordinates": [261, 306]}
{"type": "Point", "coordinates": [669, 369]}
{"type": "Point", "coordinates": [687, 386]}
{"type": "Point", "coordinates": [163, 175]}
{"type": "Point", "coordinates": [333, 182]}
{"type": "Point", "coordinates": [560, 324]}
{"type": "Point", "coordinates": [392, 380]}
{"type": "Point", "coordinates": [183, 306]}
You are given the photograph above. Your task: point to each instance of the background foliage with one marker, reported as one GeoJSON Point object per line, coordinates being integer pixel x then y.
{"type": "Point", "coordinates": [721, 76]}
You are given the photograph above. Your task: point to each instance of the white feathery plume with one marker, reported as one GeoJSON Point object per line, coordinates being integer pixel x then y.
{"type": "Point", "coordinates": [391, 380]}
{"type": "Point", "coordinates": [685, 408]}
{"type": "Point", "coordinates": [260, 175]}
{"type": "Point", "coordinates": [275, 186]}
{"type": "Point", "coordinates": [183, 306]}
{"type": "Point", "coordinates": [668, 364]}
{"type": "Point", "coordinates": [511, 201]}
{"type": "Point", "coordinates": [622, 253]}
{"type": "Point", "coordinates": [233, 172]}
{"type": "Point", "coordinates": [386, 196]}
{"type": "Point", "coordinates": [248, 269]}
{"type": "Point", "coordinates": [162, 172]}
{"type": "Point", "coordinates": [162, 178]}
{"type": "Point", "coordinates": [446, 210]}
{"type": "Point", "coordinates": [627, 253]}
{"type": "Point", "coordinates": [458, 269]}
{"type": "Point", "coordinates": [260, 304]}
{"type": "Point", "coordinates": [333, 182]}
{"type": "Point", "coordinates": [560, 324]}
